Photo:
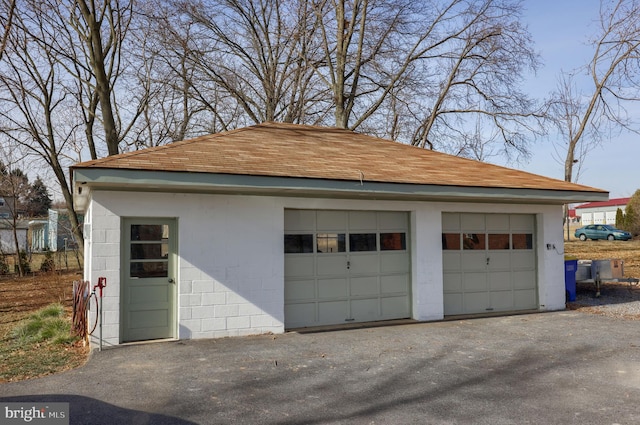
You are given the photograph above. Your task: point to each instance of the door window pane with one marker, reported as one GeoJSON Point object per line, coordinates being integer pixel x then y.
{"type": "Point", "coordinates": [393, 241]}
{"type": "Point", "coordinates": [331, 242]}
{"type": "Point", "coordinates": [362, 242]}
{"type": "Point", "coordinates": [498, 241]}
{"type": "Point", "coordinates": [149, 232]}
{"type": "Point", "coordinates": [451, 241]}
{"type": "Point", "coordinates": [149, 269]}
{"type": "Point", "coordinates": [473, 241]}
{"type": "Point", "coordinates": [149, 251]}
{"type": "Point", "coordinates": [298, 244]}
{"type": "Point", "coordinates": [522, 241]}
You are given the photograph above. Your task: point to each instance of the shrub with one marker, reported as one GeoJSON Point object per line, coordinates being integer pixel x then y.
{"type": "Point", "coordinates": [48, 264]}
{"type": "Point", "coordinates": [4, 267]}
{"type": "Point", "coordinates": [620, 221]}
{"type": "Point", "coordinates": [632, 220]}
{"type": "Point", "coordinates": [24, 262]}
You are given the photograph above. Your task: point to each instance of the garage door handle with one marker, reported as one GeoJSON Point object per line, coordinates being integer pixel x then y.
{"type": "Point", "coordinates": [348, 265]}
{"type": "Point", "coordinates": [488, 260]}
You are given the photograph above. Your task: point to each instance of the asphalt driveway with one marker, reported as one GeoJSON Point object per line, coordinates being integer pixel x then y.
{"type": "Point", "coordinates": [551, 368]}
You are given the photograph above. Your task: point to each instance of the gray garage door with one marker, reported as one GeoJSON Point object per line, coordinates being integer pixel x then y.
{"type": "Point", "coordinates": [489, 263]}
{"type": "Point", "coordinates": [345, 266]}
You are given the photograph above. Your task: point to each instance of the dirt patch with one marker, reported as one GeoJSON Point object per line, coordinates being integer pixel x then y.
{"type": "Point", "coordinates": [27, 294]}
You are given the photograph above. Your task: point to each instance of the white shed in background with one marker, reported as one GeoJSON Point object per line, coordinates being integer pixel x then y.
{"type": "Point", "coordinates": [7, 239]}
{"type": "Point", "coordinates": [603, 212]}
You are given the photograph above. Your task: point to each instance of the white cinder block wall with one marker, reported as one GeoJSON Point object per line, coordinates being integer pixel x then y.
{"type": "Point", "coordinates": [231, 260]}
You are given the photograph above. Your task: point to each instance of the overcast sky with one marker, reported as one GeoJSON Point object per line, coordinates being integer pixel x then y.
{"type": "Point", "coordinates": [561, 29]}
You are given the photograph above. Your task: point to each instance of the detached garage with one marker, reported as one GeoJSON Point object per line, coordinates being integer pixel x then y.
{"type": "Point", "coordinates": [283, 226]}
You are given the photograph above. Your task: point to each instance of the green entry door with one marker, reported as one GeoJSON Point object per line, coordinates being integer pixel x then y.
{"type": "Point", "coordinates": [149, 279]}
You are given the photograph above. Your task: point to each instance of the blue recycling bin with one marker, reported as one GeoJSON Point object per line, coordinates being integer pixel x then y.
{"type": "Point", "coordinates": [570, 268]}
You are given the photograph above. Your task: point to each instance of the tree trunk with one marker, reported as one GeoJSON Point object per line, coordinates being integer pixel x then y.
{"type": "Point", "coordinates": [16, 241]}
{"type": "Point", "coordinates": [103, 87]}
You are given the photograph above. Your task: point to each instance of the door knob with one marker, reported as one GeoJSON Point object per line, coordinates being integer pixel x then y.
{"type": "Point", "coordinates": [171, 280]}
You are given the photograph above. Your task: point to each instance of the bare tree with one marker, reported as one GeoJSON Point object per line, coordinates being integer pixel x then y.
{"type": "Point", "coordinates": [102, 26]}
{"type": "Point", "coordinates": [568, 109]}
{"type": "Point", "coordinates": [445, 70]}
{"type": "Point", "coordinates": [614, 73]}
{"type": "Point", "coordinates": [61, 82]}
{"type": "Point", "coordinates": [169, 86]}
{"type": "Point", "coordinates": [473, 102]}
{"type": "Point", "coordinates": [362, 58]}
{"type": "Point", "coordinates": [256, 52]}
{"type": "Point", "coordinates": [14, 187]}
{"type": "Point", "coordinates": [8, 10]}
{"type": "Point", "coordinates": [35, 99]}
{"type": "Point", "coordinates": [414, 71]}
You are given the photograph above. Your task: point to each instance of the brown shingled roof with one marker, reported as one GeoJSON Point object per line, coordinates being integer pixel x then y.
{"type": "Point", "coordinates": [291, 150]}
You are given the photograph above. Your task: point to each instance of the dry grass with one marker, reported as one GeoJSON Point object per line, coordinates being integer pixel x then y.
{"type": "Point", "coordinates": [19, 299]}
{"type": "Point", "coordinates": [628, 251]}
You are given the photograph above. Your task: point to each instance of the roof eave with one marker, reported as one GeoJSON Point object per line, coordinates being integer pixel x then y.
{"type": "Point", "coordinates": [184, 182]}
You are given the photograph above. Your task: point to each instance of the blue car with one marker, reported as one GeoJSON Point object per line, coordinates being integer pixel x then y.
{"type": "Point", "coordinates": [602, 231]}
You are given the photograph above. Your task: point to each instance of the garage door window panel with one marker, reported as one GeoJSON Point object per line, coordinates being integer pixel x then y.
{"type": "Point", "coordinates": [498, 241]}
{"type": "Point", "coordinates": [451, 241]}
{"type": "Point", "coordinates": [298, 244]}
{"type": "Point", "coordinates": [360, 242]}
{"type": "Point", "coordinates": [393, 241]}
{"type": "Point", "coordinates": [474, 241]}
{"type": "Point", "coordinates": [331, 242]}
{"type": "Point", "coordinates": [522, 240]}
